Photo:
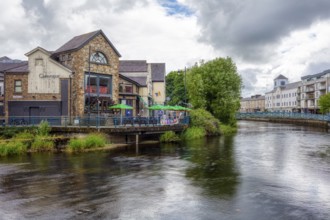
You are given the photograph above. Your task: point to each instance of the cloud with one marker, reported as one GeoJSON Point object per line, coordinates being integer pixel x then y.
{"type": "Point", "coordinates": [250, 29]}
{"type": "Point", "coordinates": [139, 29]}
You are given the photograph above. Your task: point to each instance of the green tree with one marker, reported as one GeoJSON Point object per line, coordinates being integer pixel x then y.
{"type": "Point", "coordinates": [216, 87]}
{"type": "Point", "coordinates": [175, 87]}
{"type": "Point", "coordinates": [324, 103]}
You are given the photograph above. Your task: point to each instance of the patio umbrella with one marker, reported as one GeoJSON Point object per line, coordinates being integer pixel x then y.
{"type": "Point", "coordinates": [120, 106]}
{"type": "Point", "coordinates": [156, 107]}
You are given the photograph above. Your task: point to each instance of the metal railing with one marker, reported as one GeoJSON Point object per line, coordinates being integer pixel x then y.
{"type": "Point", "coordinates": [285, 115]}
{"type": "Point", "coordinates": [94, 121]}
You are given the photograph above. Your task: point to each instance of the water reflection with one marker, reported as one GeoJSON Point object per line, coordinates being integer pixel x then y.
{"type": "Point", "coordinates": [265, 171]}
{"type": "Point", "coordinates": [213, 165]}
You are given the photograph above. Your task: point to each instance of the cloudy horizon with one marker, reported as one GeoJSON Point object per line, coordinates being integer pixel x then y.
{"type": "Point", "coordinates": [265, 38]}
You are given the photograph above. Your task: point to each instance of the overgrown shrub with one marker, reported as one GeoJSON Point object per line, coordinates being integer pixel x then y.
{"type": "Point", "coordinates": [227, 129]}
{"type": "Point", "coordinates": [95, 141]}
{"type": "Point", "coordinates": [194, 133]}
{"type": "Point", "coordinates": [91, 141]}
{"type": "Point", "coordinates": [204, 119]}
{"type": "Point", "coordinates": [12, 148]}
{"type": "Point", "coordinates": [41, 144]}
{"type": "Point", "coordinates": [44, 128]}
{"type": "Point", "coordinates": [169, 136]}
{"type": "Point", "coordinates": [25, 137]}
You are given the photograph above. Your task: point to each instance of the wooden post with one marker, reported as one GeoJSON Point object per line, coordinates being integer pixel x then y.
{"type": "Point", "coordinates": [137, 143]}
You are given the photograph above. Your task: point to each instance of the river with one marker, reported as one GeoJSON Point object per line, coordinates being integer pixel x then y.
{"type": "Point", "coordinates": [265, 171]}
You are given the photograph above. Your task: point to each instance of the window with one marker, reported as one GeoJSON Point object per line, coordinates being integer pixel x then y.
{"type": "Point", "coordinates": [282, 83]}
{"type": "Point", "coordinates": [98, 57]}
{"type": "Point", "coordinates": [18, 86]}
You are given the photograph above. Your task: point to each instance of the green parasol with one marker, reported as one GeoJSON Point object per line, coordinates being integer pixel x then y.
{"type": "Point", "coordinates": [120, 106]}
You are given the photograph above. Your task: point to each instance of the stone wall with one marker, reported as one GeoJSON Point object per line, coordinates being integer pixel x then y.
{"type": "Point", "coordinates": [78, 61]}
{"type": "Point", "coordinates": [10, 94]}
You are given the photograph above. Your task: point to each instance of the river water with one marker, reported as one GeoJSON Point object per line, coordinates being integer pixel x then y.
{"type": "Point", "coordinates": [265, 171]}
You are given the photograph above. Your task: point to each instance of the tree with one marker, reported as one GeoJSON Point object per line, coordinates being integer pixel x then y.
{"type": "Point", "coordinates": [324, 103]}
{"type": "Point", "coordinates": [216, 87]}
{"type": "Point", "coordinates": [175, 87]}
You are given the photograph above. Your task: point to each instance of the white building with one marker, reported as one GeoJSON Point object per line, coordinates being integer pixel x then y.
{"type": "Point", "coordinates": [283, 98]}
{"type": "Point", "coordinates": [310, 90]}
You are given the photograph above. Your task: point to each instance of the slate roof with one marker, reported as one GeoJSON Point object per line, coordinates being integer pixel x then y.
{"type": "Point", "coordinates": [78, 42]}
{"type": "Point", "coordinates": [315, 75]}
{"type": "Point", "coordinates": [133, 66]}
{"type": "Point", "coordinates": [253, 99]}
{"type": "Point", "coordinates": [281, 77]}
{"type": "Point", "coordinates": [140, 80]}
{"type": "Point", "coordinates": [5, 67]}
{"type": "Point", "coordinates": [158, 72]}
{"type": "Point", "coordinates": [291, 85]}
{"type": "Point", "coordinates": [23, 68]}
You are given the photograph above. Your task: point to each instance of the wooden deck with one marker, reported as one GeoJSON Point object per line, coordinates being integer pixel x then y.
{"type": "Point", "coordinates": [121, 130]}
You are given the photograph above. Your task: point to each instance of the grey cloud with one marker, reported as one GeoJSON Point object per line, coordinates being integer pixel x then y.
{"type": "Point", "coordinates": [250, 29]}
{"type": "Point", "coordinates": [249, 77]}
{"type": "Point", "coordinates": [316, 67]}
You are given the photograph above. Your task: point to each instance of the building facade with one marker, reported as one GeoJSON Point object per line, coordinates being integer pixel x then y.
{"type": "Point", "coordinates": [255, 103]}
{"type": "Point", "coordinates": [311, 89]}
{"type": "Point", "coordinates": [82, 77]}
{"type": "Point", "coordinates": [283, 98]}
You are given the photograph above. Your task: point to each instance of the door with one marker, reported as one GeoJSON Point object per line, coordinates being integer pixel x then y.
{"type": "Point", "coordinates": [34, 113]}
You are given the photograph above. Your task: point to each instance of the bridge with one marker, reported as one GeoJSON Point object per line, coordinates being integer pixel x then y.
{"type": "Point", "coordinates": [119, 126]}
{"type": "Point", "coordinates": [288, 117]}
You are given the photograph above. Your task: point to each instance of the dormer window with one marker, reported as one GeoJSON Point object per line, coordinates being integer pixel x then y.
{"type": "Point", "coordinates": [98, 57]}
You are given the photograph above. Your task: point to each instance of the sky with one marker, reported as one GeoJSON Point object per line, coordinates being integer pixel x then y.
{"type": "Point", "coordinates": [265, 38]}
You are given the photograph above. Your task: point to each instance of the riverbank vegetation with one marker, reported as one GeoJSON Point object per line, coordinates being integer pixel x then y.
{"type": "Point", "coordinates": [169, 137]}
{"type": "Point", "coordinates": [213, 90]}
{"type": "Point", "coordinates": [91, 141]}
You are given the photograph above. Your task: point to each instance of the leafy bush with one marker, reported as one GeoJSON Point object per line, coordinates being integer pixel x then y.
{"type": "Point", "coordinates": [95, 141]}
{"type": "Point", "coordinates": [41, 144]}
{"type": "Point", "coordinates": [43, 128]}
{"type": "Point", "coordinates": [194, 133]}
{"type": "Point", "coordinates": [12, 148]}
{"type": "Point", "coordinates": [227, 130]}
{"type": "Point", "coordinates": [91, 141]}
{"type": "Point", "coordinates": [76, 145]}
{"type": "Point", "coordinates": [169, 136]}
{"type": "Point", "coordinates": [204, 119]}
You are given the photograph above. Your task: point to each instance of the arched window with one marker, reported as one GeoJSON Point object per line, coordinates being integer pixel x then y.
{"type": "Point", "coordinates": [98, 57]}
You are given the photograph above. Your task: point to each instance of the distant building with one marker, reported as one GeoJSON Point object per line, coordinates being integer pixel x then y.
{"type": "Point", "coordinates": [255, 103]}
{"type": "Point", "coordinates": [283, 97]}
{"type": "Point", "coordinates": [311, 89]}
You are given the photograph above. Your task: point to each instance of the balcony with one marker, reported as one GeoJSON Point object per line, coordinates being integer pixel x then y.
{"type": "Point", "coordinates": [311, 96]}
{"type": "Point", "coordinates": [323, 87]}
{"type": "Point", "coordinates": [310, 89]}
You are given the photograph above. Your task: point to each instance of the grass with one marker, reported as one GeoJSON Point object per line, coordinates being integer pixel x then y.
{"type": "Point", "coordinates": [42, 144]}
{"type": "Point", "coordinates": [91, 141]}
{"type": "Point", "coordinates": [169, 137]}
{"type": "Point", "coordinates": [12, 148]}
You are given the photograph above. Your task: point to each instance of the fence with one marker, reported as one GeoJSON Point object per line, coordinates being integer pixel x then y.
{"type": "Point", "coordinates": [287, 115]}
{"type": "Point", "coordinates": [95, 121]}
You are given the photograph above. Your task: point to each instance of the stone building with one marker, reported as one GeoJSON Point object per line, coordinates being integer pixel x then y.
{"type": "Point", "coordinates": [82, 77]}
{"type": "Point", "coordinates": [254, 103]}
{"type": "Point", "coordinates": [95, 64]}
{"type": "Point", "coordinates": [40, 87]}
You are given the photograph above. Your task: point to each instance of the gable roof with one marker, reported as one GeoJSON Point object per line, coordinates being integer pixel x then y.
{"type": "Point", "coordinates": [80, 41]}
{"type": "Point", "coordinates": [158, 72]}
{"type": "Point", "coordinates": [280, 77]}
{"type": "Point", "coordinates": [133, 66]}
{"type": "Point", "coordinates": [141, 80]}
{"type": "Point", "coordinates": [36, 49]}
